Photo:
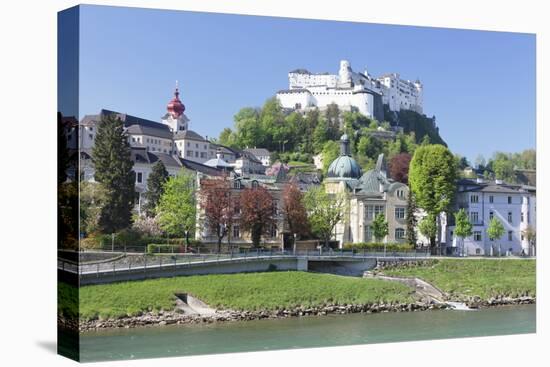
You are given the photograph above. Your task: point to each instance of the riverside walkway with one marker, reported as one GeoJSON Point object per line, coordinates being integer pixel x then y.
{"type": "Point", "coordinates": [136, 266]}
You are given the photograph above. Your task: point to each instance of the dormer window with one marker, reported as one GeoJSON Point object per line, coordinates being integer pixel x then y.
{"type": "Point", "coordinates": [254, 184]}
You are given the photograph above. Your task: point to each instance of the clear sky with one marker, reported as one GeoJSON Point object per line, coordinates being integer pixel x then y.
{"type": "Point", "coordinates": [479, 85]}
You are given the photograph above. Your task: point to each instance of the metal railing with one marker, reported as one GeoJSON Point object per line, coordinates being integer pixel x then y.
{"type": "Point", "coordinates": [166, 261]}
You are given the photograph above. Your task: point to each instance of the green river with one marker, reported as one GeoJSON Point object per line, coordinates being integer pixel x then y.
{"type": "Point", "coordinates": [303, 332]}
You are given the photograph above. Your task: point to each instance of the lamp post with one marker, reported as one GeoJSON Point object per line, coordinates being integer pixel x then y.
{"type": "Point", "coordinates": [294, 245]}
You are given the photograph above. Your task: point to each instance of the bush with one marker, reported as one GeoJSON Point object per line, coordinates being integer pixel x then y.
{"type": "Point", "coordinates": [153, 248]}
{"type": "Point", "coordinates": [378, 246]}
{"type": "Point", "coordinates": [90, 243]}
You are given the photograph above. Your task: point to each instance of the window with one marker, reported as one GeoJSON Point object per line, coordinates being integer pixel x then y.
{"type": "Point", "coordinates": [196, 154]}
{"type": "Point", "coordinates": [474, 199]}
{"type": "Point", "coordinates": [237, 184]}
{"type": "Point", "coordinates": [203, 154]}
{"type": "Point", "coordinates": [275, 207]}
{"type": "Point", "coordinates": [368, 233]}
{"type": "Point", "coordinates": [491, 215]}
{"type": "Point", "coordinates": [522, 236]}
{"type": "Point", "coordinates": [478, 251]}
{"type": "Point", "coordinates": [373, 210]}
{"type": "Point", "coordinates": [196, 145]}
{"type": "Point", "coordinates": [510, 233]}
{"type": "Point", "coordinates": [474, 217]}
{"type": "Point", "coordinates": [188, 144]}
{"type": "Point", "coordinates": [254, 184]}
{"type": "Point", "coordinates": [509, 200]}
{"type": "Point", "coordinates": [491, 199]}
{"type": "Point", "coordinates": [451, 236]}
{"type": "Point", "coordinates": [236, 232]}
{"type": "Point", "coordinates": [91, 136]}
{"type": "Point", "coordinates": [477, 236]}
{"type": "Point", "coordinates": [400, 194]}
{"type": "Point", "coordinates": [399, 213]}
{"type": "Point", "coordinates": [509, 217]}
{"type": "Point", "coordinates": [204, 146]}
{"type": "Point", "coordinates": [237, 208]}
{"type": "Point", "coordinates": [273, 232]}
{"type": "Point", "coordinates": [139, 177]}
{"type": "Point", "coordinates": [190, 153]}
{"type": "Point", "coordinates": [399, 233]}
{"type": "Point", "coordinates": [522, 217]}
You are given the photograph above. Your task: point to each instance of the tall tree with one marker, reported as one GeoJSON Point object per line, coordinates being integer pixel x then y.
{"type": "Point", "coordinates": [177, 207]}
{"type": "Point", "coordinates": [325, 211]}
{"type": "Point", "coordinates": [495, 230]}
{"type": "Point", "coordinates": [294, 210]}
{"type": "Point", "coordinates": [257, 213]}
{"type": "Point", "coordinates": [463, 227]}
{"type": "Point", "coordinates": [432, 176]}
{"type": "Point", "coordinates": [399, 167]}
{"type": "Point", "coordinates": [219, 205]}
{"type": "Point", "coordinates": [155, 187]}
{"type": "Point", "coordinates": [380, 227]}
{"type": "Point", "coordinates": [331, 151]}
{"type": "Point", "coordinates": [411, 220]}
{"type": "Point", "coordinates": [113, 165]}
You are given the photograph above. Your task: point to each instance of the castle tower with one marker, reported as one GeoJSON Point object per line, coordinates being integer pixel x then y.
{"type": "Point", "coordinates": [175, 117]}
{"type": "Point", "coordinates": [344, 73]}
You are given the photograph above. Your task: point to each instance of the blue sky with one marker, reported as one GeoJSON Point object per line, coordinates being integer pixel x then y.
{"type": "Point", "coordinates": [479, 85]}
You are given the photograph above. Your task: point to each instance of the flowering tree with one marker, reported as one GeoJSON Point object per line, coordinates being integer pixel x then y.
{"type": "Point", "coordinates": [256, 205]}
{"type": "Point", "coordinates": [399, 167]}
{"type": "Point", "coordinates": [219, 205]}
{"type": "Point", "coordinates": [294, 210]}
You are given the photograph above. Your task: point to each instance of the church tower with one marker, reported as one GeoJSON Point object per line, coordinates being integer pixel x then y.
{"type": "Point", "coordinates": [175, 117]}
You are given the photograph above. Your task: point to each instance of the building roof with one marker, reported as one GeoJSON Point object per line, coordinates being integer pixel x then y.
{"type": "Point", "coordinates": [157, 131]}
{"type": "Point", "coordinates": [469, 185]}
{"type": "Point", "coordinates": [190, 135]}
{"type": "Point", "coordinates": [344, 167]}
{"type": "Point", "coordinates": [218, 163]}
{"type": "Point", "coordinates": [258, 152]}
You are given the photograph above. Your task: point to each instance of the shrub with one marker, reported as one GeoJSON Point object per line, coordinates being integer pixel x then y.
{"type": "Point", "coordinates": [90, 243]}
{"type": "Point", "coordinates": [377, 246]}
{"type": "Point", "coordinates": [153, 248]}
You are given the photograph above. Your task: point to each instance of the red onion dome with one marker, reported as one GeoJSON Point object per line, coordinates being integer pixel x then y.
{"type": "Point", "coordinates": [175, 107]}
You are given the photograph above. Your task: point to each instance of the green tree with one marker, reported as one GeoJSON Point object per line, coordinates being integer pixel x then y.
{"type": "Point", "coordinates": [463, 227]}
{"type": "Point", "coordinates": [495, 230]}
{"type": "Point", "coordinates": [249, 132]}
{"type": "Point", "coordinates": [380, 227]}
{"type": "Point", "coordinates": [113, 165]}
{"type": "Point", "coordinates": [331, 151]}
{"type": "Point", "coordinates": [177, 206]}
{"type": "Point", "coordinates": [432, 176]}
{"type": "Point", "coordinates": [411, 220]}
{"type": "Point", "coordinates": [530, 234]}
{"type": "Point", "coordinates": [321, 135]}
{"type": "Point", "coordinates": [428, 227]}
{"type": "Point", "coordinates": [228, 138]}
{"type": "Point", "coordinates": [504, 169]}
{"type": "Point", "coordinates": [155, 187]}
{"type": "Point", "coordinates": [325, 211]}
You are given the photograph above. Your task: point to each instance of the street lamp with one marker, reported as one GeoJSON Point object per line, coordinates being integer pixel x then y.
{"type": "Point", "coordinates": [294, 245]}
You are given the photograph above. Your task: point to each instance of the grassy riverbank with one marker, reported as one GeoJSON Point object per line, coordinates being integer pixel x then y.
{"type": "Point", "coordinates": [484, 278]}
{"type": "Point", "coordinates": [253, 291]}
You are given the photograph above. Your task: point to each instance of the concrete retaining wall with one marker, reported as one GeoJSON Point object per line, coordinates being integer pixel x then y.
{"type": "Point", "coordinates": [167, 270]}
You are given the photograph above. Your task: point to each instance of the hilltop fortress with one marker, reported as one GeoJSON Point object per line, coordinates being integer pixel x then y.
{"type": "Point", "coordinates": [351, 90]}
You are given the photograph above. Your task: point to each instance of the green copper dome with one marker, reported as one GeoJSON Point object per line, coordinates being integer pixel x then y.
{"type": "Point", "coordinates": [344, 166]}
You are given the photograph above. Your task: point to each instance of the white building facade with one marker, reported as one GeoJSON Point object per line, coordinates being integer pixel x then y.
{"type": "Point", "coordinates": [513, 205]}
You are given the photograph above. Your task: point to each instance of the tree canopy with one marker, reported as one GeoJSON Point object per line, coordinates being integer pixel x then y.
{"type": "Point", "coordinates": [113, 166]}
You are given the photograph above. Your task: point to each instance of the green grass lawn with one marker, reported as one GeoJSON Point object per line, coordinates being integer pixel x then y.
{"type": "Point", "coordinates": [253, 291]}
{"type": "Point", "coordinates": [477, 277]}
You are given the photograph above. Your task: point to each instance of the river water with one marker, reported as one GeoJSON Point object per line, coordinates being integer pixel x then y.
{"type": "Point", "coordinates": [303, 332]}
